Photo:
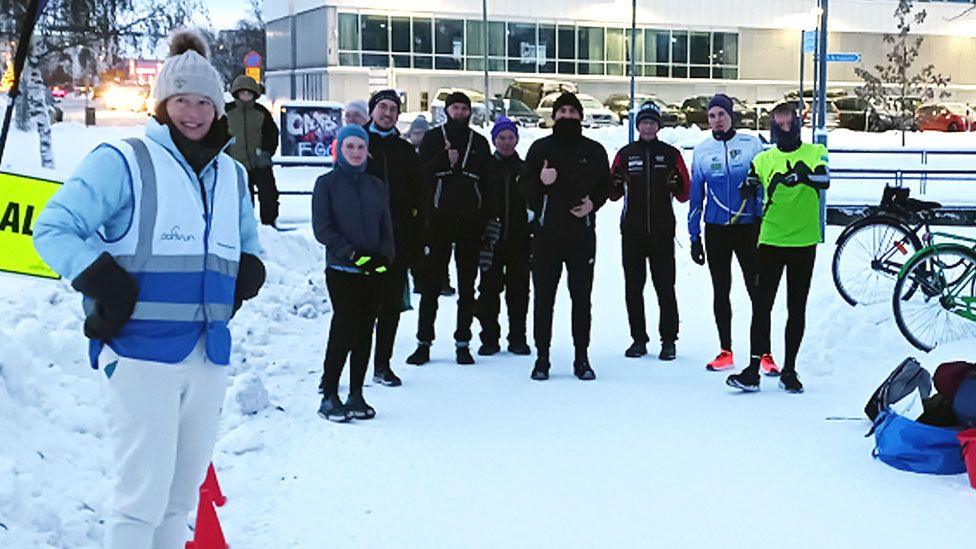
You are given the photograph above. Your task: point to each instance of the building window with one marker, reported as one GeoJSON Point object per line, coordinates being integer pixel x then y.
{"type": "Point", "coordinates": [529, 47]}
{"type": "Point", "coordinates": [448, 43]}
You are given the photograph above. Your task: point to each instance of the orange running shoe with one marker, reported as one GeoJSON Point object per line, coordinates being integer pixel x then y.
{"type": "Point", "coordinates": [768, 365]}
{"type": "Point", "coordinates": [722, 362]}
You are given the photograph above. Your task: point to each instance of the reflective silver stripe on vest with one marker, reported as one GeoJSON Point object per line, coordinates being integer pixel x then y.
{"type": "Point", "coordinates": [147, 212]}
{"type": "Point", "coordinates": [177, 264]}
{"type": "Point", "coordinates": [181, 312]}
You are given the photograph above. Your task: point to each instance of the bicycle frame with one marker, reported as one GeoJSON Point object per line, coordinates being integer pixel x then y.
{"type": "Point", "coordinates": [949, 292]}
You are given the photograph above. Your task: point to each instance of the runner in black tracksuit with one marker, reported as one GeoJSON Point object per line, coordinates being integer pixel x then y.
{"type": "Point", "coordinates": [505, 264]}
{"type": "Point", "coordinates": [393, 160]}
{"type": "Point", "coordinates": [648, 173]}
{"type": "Point", "coordinates": [566, 179]}
{"type": "Point", "coordinates": [455, 167]}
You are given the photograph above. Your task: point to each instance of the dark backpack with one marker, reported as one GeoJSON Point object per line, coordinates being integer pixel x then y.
{"type": "Point", "coordinates": [905, 379]}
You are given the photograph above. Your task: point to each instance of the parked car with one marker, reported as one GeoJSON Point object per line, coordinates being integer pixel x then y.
{"type": "Point", "coordinates": [855, 113]}
{"type": "Point", "coordinates": [695, 109]}
{"type": "Point", "coordinates": [945, 117]}
{"type": "Point", "coordinates": [438, 116]}
{"type": "Point", "coordinates": [58, 92]}
{"type": "Point", "coordinates": [515, 110]}
{"type": "Point", "coordinates": [594, 113]}
{"type": "Point", "coordinates": [619, 103]}
{"type": "Point", "coordinates": [531, 91]}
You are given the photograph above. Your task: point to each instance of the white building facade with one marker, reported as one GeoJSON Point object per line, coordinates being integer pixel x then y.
{"type": "Point", "coordinates": [749, 48]}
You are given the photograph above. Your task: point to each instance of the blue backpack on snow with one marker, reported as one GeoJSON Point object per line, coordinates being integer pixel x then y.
{"type": "Point", "coordinates": [912, 446]}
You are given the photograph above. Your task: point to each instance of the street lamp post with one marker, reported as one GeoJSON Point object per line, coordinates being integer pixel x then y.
{"type": "Point", "coordinates": [633, 69]}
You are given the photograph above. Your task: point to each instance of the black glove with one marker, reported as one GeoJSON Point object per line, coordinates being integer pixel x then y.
{"type": "Point", "coordinates": [114, 292]}
{"type": "Point", "coordinates": [493, 232]}
{"type": "Point", "coordinates": [370, 263]}
{"type": "Point", "coordinates": [675, 184]}
{"type": "Point", "coordinates": [697, 252]}
{"type": "Point", "coordinates": [250, 279]}
{"type": "Point", "coordinates": [749, 188]}
{"type": "Point", "coordinates": [263, 159]}
{"type": "Point", "coordinates": [485, 258]}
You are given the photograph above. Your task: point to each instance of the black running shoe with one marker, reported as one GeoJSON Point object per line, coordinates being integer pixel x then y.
{"type": "Point", "coordinates": [519, 348]}
{"type": "Point", "coordinates": [463, 355]}
{"type": "Point", "coordinates": [333, 409]}
{"type": "Point", "coordinates": [385, 376]}
{"type": "Point", "coordinates": [357, 408]}
{"type": "Point", "coordinates": [747, 380]}
{"type": "Point", "coordinates": [636, 350]}
{"type": "Point", "coordinates": [668, 350]}
{"type": "Point", "coordinates": [489, 348]}
{"type": "Point", "coordinates": [421, 356]}
{"type": "Point", "coordinates": [582, 369]}
{"type": "Point", "coordinates": [541, 370]}
{"type": "Point", "coordinates": [448, 291]}
{"type": "Point", "coordinates": [790, 382]}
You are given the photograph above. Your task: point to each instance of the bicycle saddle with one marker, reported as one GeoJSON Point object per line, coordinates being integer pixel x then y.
{"type": "Point", "coordinates": [916, 206]}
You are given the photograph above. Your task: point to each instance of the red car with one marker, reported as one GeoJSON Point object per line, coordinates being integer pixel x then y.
{"type": "Point", "coordinates": [945, 117]}
{"type": "Point", "coordinates": [58, 92]}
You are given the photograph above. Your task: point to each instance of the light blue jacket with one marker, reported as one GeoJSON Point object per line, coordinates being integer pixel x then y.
{"type": "Point", "coordinates": [99, 196]}
{"type": "Point", "coordinates": [718, 168]}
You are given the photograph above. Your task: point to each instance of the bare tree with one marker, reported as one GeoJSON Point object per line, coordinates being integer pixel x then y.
{"type": "Point", "coordinates": [893, 87]}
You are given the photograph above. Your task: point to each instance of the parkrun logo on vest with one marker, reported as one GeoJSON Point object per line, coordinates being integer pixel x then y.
{"type": "Point", "coordinates": [174, 234]}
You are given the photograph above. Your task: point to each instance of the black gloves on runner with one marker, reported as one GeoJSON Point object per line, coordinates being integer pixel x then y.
{"type": "Point", "coordinates": [250, 279]}
{"type": "Point", "coordinates": [114, 292]}
{"type": "Point", "coordinates": [698, 252]}
{"type": "Point", "coordinates": [370, 263]}
{"type": "Point", "coordinates": [493, 232]}
{"type": "Point", "coordinates": [749, 188]}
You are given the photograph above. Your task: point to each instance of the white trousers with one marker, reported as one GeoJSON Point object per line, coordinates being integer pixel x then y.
{"type": "Point", "coordinates": [163, 422]}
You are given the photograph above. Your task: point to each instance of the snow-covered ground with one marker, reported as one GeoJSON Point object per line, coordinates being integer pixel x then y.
{"type": "Point", "coordinates": [651, 454]}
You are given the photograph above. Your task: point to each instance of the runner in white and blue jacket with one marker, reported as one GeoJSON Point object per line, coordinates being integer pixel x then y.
{"type": "Point", "coordinates": [719, 167]}
{"type": "Point", "coordinates": [158, 233]}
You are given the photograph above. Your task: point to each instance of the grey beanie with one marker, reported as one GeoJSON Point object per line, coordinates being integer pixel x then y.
{"type": "Point", "coordinates": [357, 106]}
{"type": "Point", "coordinates": [188, 70]}
{"type": "Point", "coordinates": [419, 124]}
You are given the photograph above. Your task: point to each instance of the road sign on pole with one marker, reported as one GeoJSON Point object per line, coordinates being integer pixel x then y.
{"type": "Point", "coordinates": [844, 57]}
{"type": "Point", "coordinates": [253, 72]}
{"type": "Point", "coordinates": [809, 41]}
{"type": "Point", "coordinates": [252, 59]}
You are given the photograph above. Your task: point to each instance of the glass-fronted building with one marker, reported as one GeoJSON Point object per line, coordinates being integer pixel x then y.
{"type": "Point", "coordinates": [343, 50]}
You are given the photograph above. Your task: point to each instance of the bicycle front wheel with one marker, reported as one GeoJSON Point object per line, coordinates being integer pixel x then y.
{"type": "Point", "coordinates": [934, 300]}
{"type": "Point", "coordinates": [868, 258]}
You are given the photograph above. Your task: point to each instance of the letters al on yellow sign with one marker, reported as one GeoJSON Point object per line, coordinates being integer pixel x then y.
{"type": "Point", "coordinates": [21, 200]}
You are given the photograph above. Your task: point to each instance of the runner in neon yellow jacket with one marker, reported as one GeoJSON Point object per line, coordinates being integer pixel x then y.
{"type": "Point", "coordinates": [794, 177]}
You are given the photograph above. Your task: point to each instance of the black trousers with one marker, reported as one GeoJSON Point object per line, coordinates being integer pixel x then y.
{"type": "Point", "coordinates": [721, 242]}
{"type": "Point", "coordinates": [770, 262]}
{"type": "Point", "coordinates": [262, 182]}
{"type": "Point", "coordinates": [434, 267]}
{"type": "Point", "coordinates": [355, 304]}
{"type": "Point", "coordinates": [391, 305]}
{"type": "Point", "coordinates": [509, 272]}
{"type": "Point", "coordinates": [549, 254]}
{"type": "Point", "coordinates": [639, 253]}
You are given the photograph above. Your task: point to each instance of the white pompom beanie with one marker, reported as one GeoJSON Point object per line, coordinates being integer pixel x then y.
{"type": "Point", "coordinates": [188, 70]}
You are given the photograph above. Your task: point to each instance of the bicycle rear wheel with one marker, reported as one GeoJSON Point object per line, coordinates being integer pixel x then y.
{"type": "Point", "coordinates": [868, 258]}
{"type": "Point", "coordinates": [934, 300]}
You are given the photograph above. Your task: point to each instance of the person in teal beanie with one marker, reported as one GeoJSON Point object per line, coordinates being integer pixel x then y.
{"type": "Point", "coordinates": [351, 217]}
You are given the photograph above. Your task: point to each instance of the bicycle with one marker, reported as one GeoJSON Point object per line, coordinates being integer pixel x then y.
{"type": "Point", "coordinates": [934, 298]}
{"type": "Point", "coordinates": [872, 250]}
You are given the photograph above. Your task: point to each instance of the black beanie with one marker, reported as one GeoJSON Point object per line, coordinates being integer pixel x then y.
{"type": "Point", "coordinates": [384, 95]}
{"type": "Point", "coordinates": [457, 97]}
{"type": "Point", "coordinates": [567, 99]}
{"type": "Point", "coordinates": [721, 101]}
{"type": "Point", "coordinates": [648, 111]}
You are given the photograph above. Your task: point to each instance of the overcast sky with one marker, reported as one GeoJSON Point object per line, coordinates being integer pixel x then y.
{"type": "Point", "coordinates": [224, 14]}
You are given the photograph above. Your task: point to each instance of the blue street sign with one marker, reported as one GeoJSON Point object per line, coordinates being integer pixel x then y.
{"type": "Point", "coordinates": [851, 57]}
{"type": "Point", "coordinates": [809, 41]}
{"type": "Point", "coordinates": [252, 59]}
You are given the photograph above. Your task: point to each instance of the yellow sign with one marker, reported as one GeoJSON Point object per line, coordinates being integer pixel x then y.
{"type": "Point", "coordinates": [21, 200]}
{"type": "Point", "coordinates": [254, 72]}
{"type": "Point", "coordinates": [7, 81]}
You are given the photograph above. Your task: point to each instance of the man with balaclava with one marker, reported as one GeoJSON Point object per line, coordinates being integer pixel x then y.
{"type": "Point", "coordinates": [455, 168]}
{"type": "Point", "coordinates": [794, 176]}
{"type": "Point", "coordinates": [565, 180]}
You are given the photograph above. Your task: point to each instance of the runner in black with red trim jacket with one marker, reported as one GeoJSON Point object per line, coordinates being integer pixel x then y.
{"type": "Point", "coordinates": [648, 174]}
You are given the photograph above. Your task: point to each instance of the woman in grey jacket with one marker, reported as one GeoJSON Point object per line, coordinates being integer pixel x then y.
{"type": "Point", "coordinates": [351, 217]}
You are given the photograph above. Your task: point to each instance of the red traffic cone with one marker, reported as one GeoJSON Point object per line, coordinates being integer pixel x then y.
{"type": "Point", "coordinates": [210, 489]}
{"type": "Point", "coordinates": [207, 534]}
